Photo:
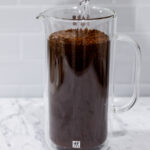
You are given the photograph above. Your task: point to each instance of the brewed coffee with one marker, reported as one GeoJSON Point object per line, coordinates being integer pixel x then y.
{"type": "Point", "coordinates": [78, 89]}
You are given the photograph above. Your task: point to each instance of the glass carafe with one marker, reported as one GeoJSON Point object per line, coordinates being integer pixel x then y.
{"type": "Point", "coordinates": [80, 55]}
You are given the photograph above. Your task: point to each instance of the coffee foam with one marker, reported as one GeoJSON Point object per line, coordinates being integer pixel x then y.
{"type": "Point", "coordinates": [80, 36]}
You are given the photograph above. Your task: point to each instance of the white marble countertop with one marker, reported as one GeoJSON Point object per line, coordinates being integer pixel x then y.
{"type": "Point", "coordinates": [22, 126]}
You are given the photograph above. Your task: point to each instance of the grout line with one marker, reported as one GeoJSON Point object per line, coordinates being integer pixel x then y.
{"type": "Point", "coordinates": [136, 18]}
{"type": "Point", "coordinates": [31, 34]}
{"type": "Point", "coordinates": [136, 32]}
{"type": "Point", "coordinates": [41, 33]}
{"type": "Point", "coordinates": [25, 85]}
{"type": "Point", "coordinates": [28, 85]}
{"type": "Point", "coordinates": [17, 60]}
{"type": "Point", "coordinates": [124, 5]}
{"type": "Point", "coordinates": [22, 33]}
{"type": "Point", "coordinates": [8, 34]}
{"type": "Point", "coordinates": [117, 84]}
{"type": "Point", "coordinates": [20, 47]}
{"type": "Point", "coordinates": [129, 84]}
{"type": "Point", "coordinates": [18, 2]}
{"type": "Point", "coordinates": [113, 1]}
{"type": "Point", "coordinates": [19, 5]}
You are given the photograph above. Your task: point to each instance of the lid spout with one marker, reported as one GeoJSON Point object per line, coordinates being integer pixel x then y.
{"type": "Point", "coordinates": [41, 15]}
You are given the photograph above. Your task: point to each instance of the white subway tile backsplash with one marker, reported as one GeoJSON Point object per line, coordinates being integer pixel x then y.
{"type": "Point", "coordinates": [21, 91]}
{"type": "Point", "coordinates": [37, 2]}
{"type": "Point", "coordinates": [133, 2]}
{"type": "Point", "coordinates": [144, 90]}
{"type": "Point", "coordinates": [9, 47]}
{"type": "Point", "coordinates": [21, 73]}
{"type": "Point", "coordinates": [142, 19]}
{"type": "Point", "coordinates": [124, 55]}
{"type": "Point", "coordinates": [10, 90]}
{"type": "Point", "coordinates": [17, 19]}
{"type": "Point", "coordinates": [125, 52]}
{"type": "Point", "coordinates": [62, 2]}
{"type": "Point", "coordinates": [144, 42]}
{"type": "Point", "coordinates": [33, 46]}
{"type": "Point", "coordinates": [145, 72]}
{"type": "Point", "coordinates": [123, 72]}
{"type": "Point", "coordinates": [123, 90]}
{"type": "Point", "coordinates": [101, 2]}
{"type": "Point", "coordinates": [126, 18]}
{"type": "Point", "coordinates": [8, 2]}
{"type": "Point", "coordinates": [32, 90]}
{"type": "Point", "coordinates": [22, 44]}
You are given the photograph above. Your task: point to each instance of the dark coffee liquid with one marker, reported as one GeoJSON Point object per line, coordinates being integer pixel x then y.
{"type": "Point", "coordinates": [78, 88]}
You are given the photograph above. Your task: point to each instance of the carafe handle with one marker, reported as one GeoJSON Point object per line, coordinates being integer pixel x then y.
{"type": "Point", "coordinates": [137, 50]}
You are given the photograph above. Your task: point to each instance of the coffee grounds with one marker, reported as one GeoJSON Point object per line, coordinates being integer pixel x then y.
{"type": "Point", "coordinates": [78, 87]}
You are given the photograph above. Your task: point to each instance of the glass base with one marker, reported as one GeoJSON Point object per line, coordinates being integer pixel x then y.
{"type": "Point", "coordinates": [104, 146]}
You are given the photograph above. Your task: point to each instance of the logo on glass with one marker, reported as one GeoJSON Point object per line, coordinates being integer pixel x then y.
{"type": "Point", "coordinates": [75, 144]}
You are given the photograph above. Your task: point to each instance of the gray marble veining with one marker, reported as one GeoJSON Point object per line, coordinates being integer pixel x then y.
{"type": "Point", "coordinates": [22, 126]}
